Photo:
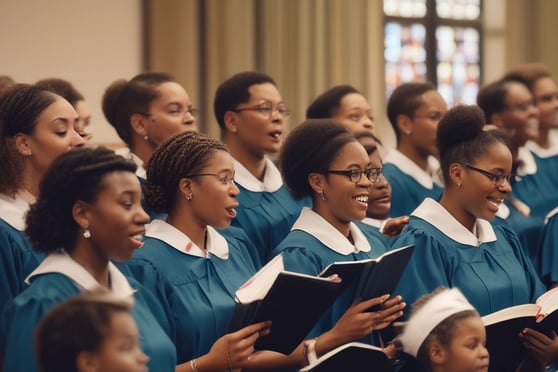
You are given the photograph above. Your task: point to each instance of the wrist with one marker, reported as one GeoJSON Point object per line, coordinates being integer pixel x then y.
{"type": "Point", "coordinates": [309, 351]}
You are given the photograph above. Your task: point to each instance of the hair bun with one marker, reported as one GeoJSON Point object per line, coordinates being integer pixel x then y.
{"type": "Point", "coordinates": [460, 124]}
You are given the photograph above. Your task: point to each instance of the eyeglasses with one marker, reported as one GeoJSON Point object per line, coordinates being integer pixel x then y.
{"type": "Point", "coordinates": [266, 110]}
{"type": "Point", "coordinates": [497, 179]}
{"type": "Point", "coordinates": [225, 178]}
{"type": "Point", "coordinates": [522, 106]}
{"type": "Point", "coordinates": [435, 116]}
{"type": "Point", "coordinates": [355, 175]}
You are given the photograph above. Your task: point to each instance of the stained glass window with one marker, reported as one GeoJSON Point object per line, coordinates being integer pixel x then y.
{"type": "Point", "coordinates": [434, 40]}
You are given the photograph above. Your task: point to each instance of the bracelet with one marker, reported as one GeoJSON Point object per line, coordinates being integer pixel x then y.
{"type": "Point", "coordinates": [309, 351]}
{"type": "Point", "coordinates": [193, 366]}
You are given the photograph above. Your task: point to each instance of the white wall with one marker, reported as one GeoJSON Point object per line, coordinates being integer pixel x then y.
{"type": "Point", "coordinates": [89, 43]}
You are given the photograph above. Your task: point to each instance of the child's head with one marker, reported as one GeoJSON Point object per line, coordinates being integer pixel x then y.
{"type": "Point", "coordinates": [445, 333]}
{"type": "Point", "coordinates": [89, 332]}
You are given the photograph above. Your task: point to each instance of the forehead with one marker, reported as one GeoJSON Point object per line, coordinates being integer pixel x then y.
{"type": "Point", "coordinates": [351, 153]}
{"type": "Point", "coordinates": [265, 91]}
{"type": "Point", "coordinates": [432, 100]}
{"type": "Point", "coordinates": [220, 160]}
{"type": "Point", "coordinates": [354, 100]}
{"type": "Point", "coordinates": [119, 182]}
{"type": "Point", "coordinates": [59, 108]}
{"type": "Point", "coordinates": [517, 91]}
{"type": "Point", "coordinates": [498, 155]}
{"type": "Point", "coordinates": [544, 85]}
{"type": "Point", "coordinates": [171, 90]}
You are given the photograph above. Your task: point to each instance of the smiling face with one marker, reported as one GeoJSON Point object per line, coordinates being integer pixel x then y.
{"type": "Point", "coordinates": [258, 132]}
{"type": "Point", "coordinates": [466, 351]}
{"type": "Point", "coordinates": [520, 116]}
{"type": "Point", "coordinates": [169, 113]}
{"type": "Point", "coordinates": [480, 197]}
{"type": "Point", "coordinates": [545, 93]}
{"type": "Point", "coordinates": [116, 219]}
{"type": "Point", "coordinates": [346, 201]}
{"type": "Point", "coordinates": [424, 123]}
{"type": "Point", "coordinates": [54, 134]}
{"type": "Point", "coordinates": [214, 192]}
{"type": "Point", "coordinates": [379, 199]}
{"type": "Point", "coordinates": [120, 350]}
{"type": "Point", "coordinates": [354, 113]}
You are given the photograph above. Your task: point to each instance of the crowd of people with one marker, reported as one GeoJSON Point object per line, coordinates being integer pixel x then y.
{"type": "Point", "coordinates": [130, 259]}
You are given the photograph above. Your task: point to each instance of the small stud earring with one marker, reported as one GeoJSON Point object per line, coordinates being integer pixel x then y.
{"type": "Point", "coordinates": [459, 186]}
{"type": "Point", "coordinates": [86, 233]}
{"type": "Point", "coordinates": [146, 138]}
{"type": "Point", "coordinates": [323, 196]}
{"type": "Point", "coordinates": [189, 197]}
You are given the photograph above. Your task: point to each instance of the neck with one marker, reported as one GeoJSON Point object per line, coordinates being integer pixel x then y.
{"type": "Point", "coordinates": [31, 180]}
{"type": "Point", "coordinates": [450, 202]}
{"type": "Point", "coordinates": [418, 157]}
{"type": "Point", "coordinates": [252, 161]}
{"type": "Point", "coordinates": [88, 257]}
{"type": "Point", "coordinates": [186, 224]}
{"type": "Point", "coordinates": [142, 149]}
{"type": "Point", "coordinates": [341, 226]}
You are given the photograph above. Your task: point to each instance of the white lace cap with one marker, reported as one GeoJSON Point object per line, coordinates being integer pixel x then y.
{"type": "Point", "coordinates": [437, 309]}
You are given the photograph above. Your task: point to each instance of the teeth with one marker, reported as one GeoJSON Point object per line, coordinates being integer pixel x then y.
{"type": "Point", "coordinates": [275, 135]}
{"type": "Point", "coordinates": [362, 198]}
{"type": "Point", "coordinates": [138, 237]}
{"type": "Point", "coordinates": [496, 202]}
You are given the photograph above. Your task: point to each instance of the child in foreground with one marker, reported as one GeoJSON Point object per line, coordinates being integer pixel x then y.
{"type": "Point", "coordinates": [445, 333]}
{"type": "Point", "coordinates": [94, 331]}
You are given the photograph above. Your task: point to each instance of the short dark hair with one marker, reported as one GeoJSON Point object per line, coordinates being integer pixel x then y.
{"type": "Point", "coordinates": [367, 134]}
{"type": "Point", "coordinates": [75, 175]}
{"type": "Point", "coordinates": [61, 87]}
{"type": "Point", "coordinates": [178, 156]}
{"type": "Point", "coordinates": [405, 100]}
{"type": "Point", "coordinates": [528, 74]}
{"type": "Point", "coordinates": [491, 98]}
{"type": "Point", "coordinates": [309, 148]}
{"type": "Point", "coordinates": [76, 325]}
{"type": "Point", "coordinates": [20, 107]}
{"type": "Point", "coordinates": [462, 138]}
{"type": "Point", "coordinates": [234, 91]}
{"type": "Point", "coordinates": [325, 104]}
{"type": "Point", "coordinates": [122, 99]}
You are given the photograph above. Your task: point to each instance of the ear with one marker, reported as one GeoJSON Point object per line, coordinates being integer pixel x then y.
{"type": "Point", "coordinates": [185, 186]}
{"type": "Point", "coordinates": [497, 119]}
{"type": "Point", "coordinates": [456, 173]}
{"type": "Point", "coordinates": [404, 124]}
{"type": "Point", "coordinates": [139, 124]}
{"type": "Point", "coordinates": [86, 361]}
{"type": "Point", "coordinates": [231, 122]}
{"type": "Point", "coordinates": [80, 213]}
{"type": "Point", "coordinates": [437, 353]}
{"type": "Point", "coordinates": [22, 144]}
{"type": "Point", "coordinates": [316, 181]}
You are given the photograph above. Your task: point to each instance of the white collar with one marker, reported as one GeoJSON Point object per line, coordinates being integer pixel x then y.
{"type": "Point", "coordinates": [550, 214]}
{"type": "Point", "coordinates": [528, 166]}
{"type": "Point", "coordinates": [62, 263]}
{"type": "Point", "coordinates": [409, 167]}
{"type": "Point", "coordinates": [272, 180]}
{"type": "Point", "coordinates": [315, 225]}
{"type": "Point", "coordinates": [552, 149]}
{"type": "Point", "coordinates": [373, 222]}
{"type": "Point", "coordinates": [125, 152]}
{"type": "Point", "coordinates": [13, 210]}
{"type": "Point", "coordinates": [162, 230]}
{"type": "Point", "coordinates": [503, 211]}
{"type": "Point", "coordinates": [431, 211]}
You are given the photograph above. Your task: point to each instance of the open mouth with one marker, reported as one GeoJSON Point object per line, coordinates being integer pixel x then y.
{"type": "Point", "coordinates": [231, 212]}
{"type": "Point", "coordinates": [137, 240]}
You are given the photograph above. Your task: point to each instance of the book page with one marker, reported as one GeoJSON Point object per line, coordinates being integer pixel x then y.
{"type": "Point", "coordinates": [259, 284]}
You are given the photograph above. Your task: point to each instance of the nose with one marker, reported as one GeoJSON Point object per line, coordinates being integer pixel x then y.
{"type": "Point", "coordinates": [76, 140]}
{"type": "Point", "coordinates": [142, 357]}
{"type": "Point", "coordinates": [142, 217]}
{"type": "Point", "coordinates": [505, 187]}
{"type": "Point", "coordinates": [234, 190]}
{"type": "Point", "coordinates": [189, 118]}
{"type": "Point", "coordinates": [381, 182]}
{"type": "Point", "coordinates": [368, 123]}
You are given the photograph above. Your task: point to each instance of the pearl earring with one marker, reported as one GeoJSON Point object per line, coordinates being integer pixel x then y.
{"type": "Point", "coordinates": [86, 233]}
{"type": "Point", "coordinates": [323, 196]}
{"type": "Point", "coordinates": [189, 197]}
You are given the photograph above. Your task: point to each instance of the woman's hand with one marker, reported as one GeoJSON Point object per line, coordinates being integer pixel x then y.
{"type": "Point", "coordinates": [540, 346]}
{"type": "Point", "coordinates": [393, 226]}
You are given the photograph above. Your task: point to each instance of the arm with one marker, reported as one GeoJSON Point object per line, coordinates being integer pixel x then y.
{"type": "Point", "coordinates": [541, 347]}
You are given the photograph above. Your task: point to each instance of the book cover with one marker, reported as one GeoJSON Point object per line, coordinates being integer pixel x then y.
{"type": "Point", "coordinates": [354, 357]}
{"type": "Point", "coordinates": [503, 327]}
{"type": "Point", "coordinates": [293, 302]}
{"type": "Point", "coordinates": [376, 276]}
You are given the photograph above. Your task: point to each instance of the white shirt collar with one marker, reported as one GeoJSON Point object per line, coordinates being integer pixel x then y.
{"type": "Point", "coordinates": [550, 214]}
{"type": "Point", "coordinates": [315, 225]}
{"type": "Point", "coordinates": [13, 210]}
{"type": "Point", "coordinates": [373, 222]}
{"type": "Point", "coordinates": [431, 211]}
{"type": "Point", "coordinates": [552, 149]}
{"type": "Point", "coordinates": [528, 166]}
{"type": "Point", "coordinates": [62, 263]}
{"type": "Point", "coordinates": [503, 211]}
{"type": "Point", "coordinates": [125, 152]}
{"type": "Point", "coordinates": [409, 167]}
{"type": "Point", "coordinates": [272, 180]}
{"type": "Point", "coordinates": [216, 243]}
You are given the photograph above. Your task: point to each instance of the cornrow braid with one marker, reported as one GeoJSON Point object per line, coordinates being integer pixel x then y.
{"type": "Point", "coordinates": [183, 154]}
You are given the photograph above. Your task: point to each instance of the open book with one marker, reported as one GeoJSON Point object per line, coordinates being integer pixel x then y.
{"type": "Point", "coordinates": [354, 357]}
{"type": "Point", "coordinates": [293, 302]}
{"type": "Point", "coordinates": [503, 327]}
{"type": "Point", "coordinates": [376, 276]}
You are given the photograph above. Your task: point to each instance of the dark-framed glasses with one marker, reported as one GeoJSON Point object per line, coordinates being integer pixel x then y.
{"type": "Point", "coordinates": [355, 175]}
{"type": "Point", "coordinates": [266, 109]}
{"type": "Point", "coordinates": [497, 179]}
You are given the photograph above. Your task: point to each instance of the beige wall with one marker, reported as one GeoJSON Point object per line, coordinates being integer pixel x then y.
{"type": "Point", "coordinates": [306, 45]}
{"type": "Point", "coordinates": [90, 43]}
